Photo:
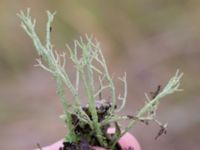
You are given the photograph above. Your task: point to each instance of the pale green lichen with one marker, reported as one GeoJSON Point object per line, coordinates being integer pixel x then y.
{"type": "Point", "coordinates": [89, 62]}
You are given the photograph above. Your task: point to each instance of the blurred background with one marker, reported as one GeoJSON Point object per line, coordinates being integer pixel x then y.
{"type": "Point", "coordinates": [149, 39]}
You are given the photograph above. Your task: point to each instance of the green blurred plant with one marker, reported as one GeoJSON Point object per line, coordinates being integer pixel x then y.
{"type": "Point", "coordinates": [89, 63]}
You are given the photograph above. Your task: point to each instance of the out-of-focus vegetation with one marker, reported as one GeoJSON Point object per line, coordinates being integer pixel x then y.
{"type": "Point", "coordinates": [149, 39]}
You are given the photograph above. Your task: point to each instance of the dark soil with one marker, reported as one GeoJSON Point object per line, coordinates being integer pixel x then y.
{"type": "Point", "coordinates": [87, 136]}
{"type": "Point", "coordinates": [84, 146]}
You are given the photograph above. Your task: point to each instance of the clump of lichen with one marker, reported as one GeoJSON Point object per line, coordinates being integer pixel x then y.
{"type": "Point", "coordinates": [93, 120]}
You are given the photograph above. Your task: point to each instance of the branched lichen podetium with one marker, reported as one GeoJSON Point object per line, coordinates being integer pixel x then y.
{"type": "Point", "coordinates": [89, 63]}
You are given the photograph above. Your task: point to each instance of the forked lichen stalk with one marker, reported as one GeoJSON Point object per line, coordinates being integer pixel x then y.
{"type": "Point", "coordinates": [90, 65]}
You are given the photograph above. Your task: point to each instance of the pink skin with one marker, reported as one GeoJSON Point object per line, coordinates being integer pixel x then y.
{"type": "Point", "coordinates": [125, 141]}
